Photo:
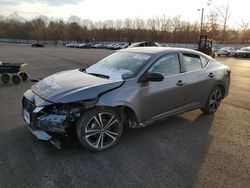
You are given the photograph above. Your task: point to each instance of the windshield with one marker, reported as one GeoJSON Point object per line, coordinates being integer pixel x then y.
{"type": "Point", "coordinates": [223, 49]}
{"type": "Point", "coordinates": [120, 65]}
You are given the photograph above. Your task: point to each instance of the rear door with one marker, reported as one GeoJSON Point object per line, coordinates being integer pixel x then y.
{"type": "Point", "coordinates": [199, 79]}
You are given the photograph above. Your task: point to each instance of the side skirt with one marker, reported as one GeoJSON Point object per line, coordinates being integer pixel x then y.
{"type": "Point", "coordinates": [163, 117]}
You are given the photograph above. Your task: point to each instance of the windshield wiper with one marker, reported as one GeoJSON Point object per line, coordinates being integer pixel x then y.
{"type": "Point", "coordinates": [99, 75]}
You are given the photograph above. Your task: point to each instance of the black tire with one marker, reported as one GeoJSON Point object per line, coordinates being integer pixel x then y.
{"type": "Point", "coordinates": [24, 76]}
{"type": "Point", "coordinates": [16, 79]}
{"type": "Point", "coordinates": [213, 101]}
{"type": "Point", "coordinates": [213, 55]}
{"type": "Point", "coordinates": [99, 129]}
{"type": "Point", "coordinates": [219, 55]}
{"type": "Point", "coordinates": [5, 78]}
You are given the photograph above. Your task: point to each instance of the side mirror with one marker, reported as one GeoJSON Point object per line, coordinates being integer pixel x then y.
{"type": "Point", "coordinates": [154, 77]}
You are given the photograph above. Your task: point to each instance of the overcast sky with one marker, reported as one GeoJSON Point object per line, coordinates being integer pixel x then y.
{"type": "Point", "coordinates": [120, 9]}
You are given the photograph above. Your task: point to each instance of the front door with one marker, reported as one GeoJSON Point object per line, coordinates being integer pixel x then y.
{"type": "Point", "coordinates": [167, 96]}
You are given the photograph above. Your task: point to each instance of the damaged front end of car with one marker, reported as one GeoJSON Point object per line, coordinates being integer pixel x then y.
{"type": "Point", "coordinates": [48, 120]}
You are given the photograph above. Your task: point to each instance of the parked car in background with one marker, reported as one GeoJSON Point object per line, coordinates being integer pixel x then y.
{"type": "Point", "coordinates": [227, 51]}
{"type": "Point", "coordinates": [133, 87]}
{"type": "Point", "coordinates": [117, 46]}
{"type": "Point", "coordinates": [243, 52]}
{"type": "Point", "coordinates": [99, 45]}
{"type": "Point", "coordinates": [69, 45]}
{"type": "Point", "coordinates": [37, 45]}
{"type": "Point", "coordinates": [144, 44]}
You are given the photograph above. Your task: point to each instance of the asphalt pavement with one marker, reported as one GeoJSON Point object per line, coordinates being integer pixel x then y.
{"type": "Point", "coordinates": [189, 150]}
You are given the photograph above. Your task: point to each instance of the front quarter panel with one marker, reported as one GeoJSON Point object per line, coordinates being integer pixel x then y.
{"type": "Point", "coordinates": [126, 95]}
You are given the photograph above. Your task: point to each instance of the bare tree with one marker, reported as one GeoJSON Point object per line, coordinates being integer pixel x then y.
{"type": "Point", "coordinates": [139, 23]}
{"type": "Point", "coordinates": [213, 25]}
{"type": "Point", "coordinates": [224, 12]}
{"type": "Point", "coordinates": [15, 24]}
{"type": "Point", "coordinates": [108, 24]}
{"type": "Point", "coordinates": [39, 29]}
{"type": "Point", "coordinates": [118, 24]}
{"type": "Point", "coordinates": [87, 23]}
{"type": "Point", "coordinates": [151, 23]}
{"type": "Point", "coordinates": [244, 25]}
{"type": "Point", "coordinates": [159, 28]}
{"type": "Point", "coordinates": [127, 23]}
{"type": "Point", "coordinates": [165, 23]}
{"type": "Point", "coordinates": [176, 25]}
{"type": "Point", "coordinates": [75, 19]}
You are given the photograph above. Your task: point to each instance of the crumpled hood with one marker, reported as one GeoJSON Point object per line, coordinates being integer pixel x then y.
{"type": "Point", "coordinates": [72, 86]}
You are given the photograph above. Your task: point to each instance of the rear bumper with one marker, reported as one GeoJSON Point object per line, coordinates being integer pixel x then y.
{"type": "Point", "coordinates": [227, 85]}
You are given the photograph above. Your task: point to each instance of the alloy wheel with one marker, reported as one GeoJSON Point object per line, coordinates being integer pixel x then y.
{"type": "Point", "coordinates": [215, 100]}
{"type": "Point", "coordinates": [102, 130]}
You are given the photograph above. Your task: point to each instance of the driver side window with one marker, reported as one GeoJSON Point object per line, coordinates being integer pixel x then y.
{"type": "Point", "coordinates": [167, 65]}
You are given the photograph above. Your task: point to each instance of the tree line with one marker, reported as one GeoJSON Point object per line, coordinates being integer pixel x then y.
{"type": "Point", "coordinates": [159, 29]}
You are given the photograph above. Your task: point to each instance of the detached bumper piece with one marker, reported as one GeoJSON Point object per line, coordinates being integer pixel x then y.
{"type": "Point", "coordinates": [42, 135]}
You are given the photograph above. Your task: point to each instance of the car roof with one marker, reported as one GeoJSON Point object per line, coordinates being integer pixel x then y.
{"type": "Point", "coordinates": [247, 47]}
{"type": "Point", "coordinates": [157, 50]}
{"type": "Point", "coordinates": [226, 47]}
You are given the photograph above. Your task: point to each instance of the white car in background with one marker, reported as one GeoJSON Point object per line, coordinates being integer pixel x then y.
{"type": "Point", "coordinates": [227, 51]}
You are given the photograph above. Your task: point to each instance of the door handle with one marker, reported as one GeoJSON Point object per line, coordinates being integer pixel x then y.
{"type": "Point", "coordinates": [180, 83]}
{"type": "Point", "coordinates": [211, 75]}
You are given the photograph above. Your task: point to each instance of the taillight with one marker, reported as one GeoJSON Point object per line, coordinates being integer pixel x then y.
{"type": "Point", "coordinates": [229, 72]}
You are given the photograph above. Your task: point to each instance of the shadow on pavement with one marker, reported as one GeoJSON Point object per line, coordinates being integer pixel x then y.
{"type": "Point", "coordinates": [166, 154]}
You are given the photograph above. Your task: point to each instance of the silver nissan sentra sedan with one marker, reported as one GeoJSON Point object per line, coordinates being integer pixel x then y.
{"type": "Point", "coordinates": [133, 87]}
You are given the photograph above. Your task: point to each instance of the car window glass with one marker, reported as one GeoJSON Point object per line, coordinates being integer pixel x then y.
{"type": "Point", "coordinates": [192, 62]}
{"type": "Point", "coordinates": [166, 65]}
{"type": "Point", "coordinates": [204, 61]}
{"type": "Point", "coordinates": [120, 65]}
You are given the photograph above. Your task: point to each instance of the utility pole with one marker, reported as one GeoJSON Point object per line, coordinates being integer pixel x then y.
{"type": "Point", "coordinates": [202, 14]}
{"type": "Point", "coordinates": [209, 2]}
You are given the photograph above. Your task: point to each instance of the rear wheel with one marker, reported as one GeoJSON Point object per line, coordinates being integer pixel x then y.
{"type": "Point", "coordinates": [5, 78]}
{"type": "Point", "coordinates": [213, 101]}
{"type": "Point", "coordinates": [24, 76]}
{"type": "Point", "coordinates": [16, 79]}
{"type": "Point", "coordinates": [99, 129]}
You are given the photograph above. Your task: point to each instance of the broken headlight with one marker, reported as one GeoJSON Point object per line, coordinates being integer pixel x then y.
{"type": "Point", "coordinates": [71, 110]}
{"type": "Point", "coordinates": [57, 117]}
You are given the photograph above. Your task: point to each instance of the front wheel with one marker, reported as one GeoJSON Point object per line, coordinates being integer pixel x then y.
{"type": "Point", "coordinates": [213, 101]}
{"type": "Point", "coordinates": [99, 129]}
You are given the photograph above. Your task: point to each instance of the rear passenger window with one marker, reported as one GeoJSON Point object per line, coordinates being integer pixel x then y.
{"type": "Point", "coordinates": [192, 62]}
{"type": "Point", "coordinates": [204, 61]}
